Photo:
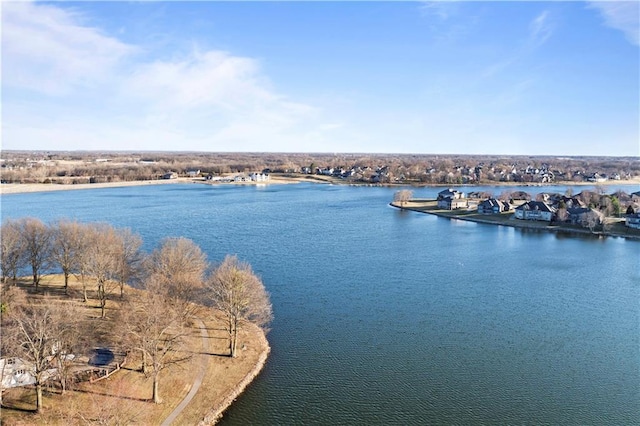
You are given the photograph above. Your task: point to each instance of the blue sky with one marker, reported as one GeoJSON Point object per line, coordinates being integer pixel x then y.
{"type": "Point", "coordinates": [557, 78]}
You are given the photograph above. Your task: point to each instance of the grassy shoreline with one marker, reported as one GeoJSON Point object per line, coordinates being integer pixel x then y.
{"type": "Point", "coordinates": [506, 219]}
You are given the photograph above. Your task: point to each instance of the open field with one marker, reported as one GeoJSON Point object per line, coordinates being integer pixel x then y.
{"type": "Point", "coordinates": [125, 397]}
{"type": "Point", "coordinates": [617, 229]}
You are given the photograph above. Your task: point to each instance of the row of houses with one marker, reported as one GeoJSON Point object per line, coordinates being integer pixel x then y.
{"type": "Point", "coordinates": [551, 207]}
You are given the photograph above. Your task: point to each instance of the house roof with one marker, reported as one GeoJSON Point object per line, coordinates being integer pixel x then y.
{"type": "Point", "coordinates": [536, 205]}
{"type": "Point", "coordinates": [491, 202]}
{"type": "Point", "coordinates": [448, 193]}
{"type": "Point", "coordinates": [578, 210]}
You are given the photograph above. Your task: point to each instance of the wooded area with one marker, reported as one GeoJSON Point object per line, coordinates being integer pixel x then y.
{"type": "Point", "coordinates": [99, 167]}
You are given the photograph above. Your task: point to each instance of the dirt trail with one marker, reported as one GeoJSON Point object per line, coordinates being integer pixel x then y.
{"type": "Point", "coordinates": [198, 380]}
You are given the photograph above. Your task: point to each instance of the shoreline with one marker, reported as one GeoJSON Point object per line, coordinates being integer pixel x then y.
{"type": "Point", "coordinates": [27, 188]}
{"type": "Point", "coordinates": [498, 220]}
{"type": "Point", "coordinates": [217, 412]}
{"type": "Point", "coordinates": [24, 188]}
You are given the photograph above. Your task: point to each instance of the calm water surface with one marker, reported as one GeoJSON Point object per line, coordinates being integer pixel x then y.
{"type": "Point", "coordinates": [388, 317]}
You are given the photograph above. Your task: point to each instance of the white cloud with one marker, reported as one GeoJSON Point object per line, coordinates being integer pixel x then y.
{"type": "Point", "coordinates": [47, 49]}
{"type": "Point", "coordinates": [88, 90]}
{"type": "Point", "coordinates": [442, 10]}
{"type": "Point", "coordinates": [540, 29]}
{"type": "Point", "coordinates": [621, 15]}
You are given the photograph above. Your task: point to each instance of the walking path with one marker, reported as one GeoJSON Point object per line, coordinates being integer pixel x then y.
{"type": "Point", "coordinates": [198, 381]}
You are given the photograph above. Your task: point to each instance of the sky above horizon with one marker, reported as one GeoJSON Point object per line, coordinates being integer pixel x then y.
{"type": "Point", "coordinates": [510, 77]}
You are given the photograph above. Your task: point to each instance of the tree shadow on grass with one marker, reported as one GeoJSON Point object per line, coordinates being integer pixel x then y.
{"type": "Point", "coordinates": [96, 392]}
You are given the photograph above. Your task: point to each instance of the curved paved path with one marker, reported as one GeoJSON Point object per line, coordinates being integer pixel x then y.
{"type": "Point", "coordinates": [198, 381]}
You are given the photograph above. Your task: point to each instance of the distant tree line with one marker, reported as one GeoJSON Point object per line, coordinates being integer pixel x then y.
{"type": "Point", "coordinates": [176, 276]}
{"type": "Point", "coordinates": [96, 167]}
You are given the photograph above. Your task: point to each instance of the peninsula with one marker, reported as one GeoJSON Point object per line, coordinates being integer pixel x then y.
{"type": "Point", "coordinates": [603, 218]}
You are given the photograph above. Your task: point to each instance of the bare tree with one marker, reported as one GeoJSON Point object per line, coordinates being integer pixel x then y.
{"type": "Point", "coordinates": [505, 196]}
{"type": "Point", "coordinates": [67, 242]}
{"type": "Point", "coordinates": [179, 266]}
{"type": "Point", "coordinates": [32, 332]}
{"type": "Point", "coordinates": [11, 249]}
{"type": "Point", "coordinates": [240, 295]}
{"type": "Point", "coordinates": [102, 260]}
{"type": "Point", "coordinates": [129, 257]}
{"type": "Point", "coordinates": [562, 215]}
{"type": "Point", "coordinates": [36, 238]}
{"type": "Point", "coordinates": [155, 326]}
{"type": "Point", "coordinates": [87, 236]}
{"type": "Point", "coordinates": [591, 220]}
{"type": "Point", "coordinates": [402, 196]}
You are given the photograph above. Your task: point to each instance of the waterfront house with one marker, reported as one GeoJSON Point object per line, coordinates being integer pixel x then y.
{"type": "Point", "coordinates": [493, 206]}
{"type": "Point", "coordinates": [450, 203]}
{"type": "Point", "coordinates": [632, 221]}
{"type": "Point", "coordinates": [535, 210]}
{"type": "Point", "coordinates": [170, 175]}
{"type": "Point", "coordinates": [192, 173]}
{"type": "Point", "coordinates": [450, 193]}
{"type": "Point", "coordinates": [259, 177]}
{"type": "Point", "coordinates": [577, 215]}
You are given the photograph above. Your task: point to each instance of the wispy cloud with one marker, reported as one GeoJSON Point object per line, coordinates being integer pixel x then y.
{"type": "Point", "coordinates": [205, 99]}
{"type": "Point", "coordinates": [540, 29]}
{"type": "Point", "coordinates": [47, 49]}
{"type": "Point", "coordinates": [442, 10]}
{"type": "Point", "coordinates": [621, 15]}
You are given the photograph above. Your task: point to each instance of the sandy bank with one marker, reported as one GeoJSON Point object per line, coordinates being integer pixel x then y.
{"type": "Point", "coordinates": [22, 188]}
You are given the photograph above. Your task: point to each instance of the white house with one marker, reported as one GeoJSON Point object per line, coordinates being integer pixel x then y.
{"type": "Point", "coordinates": [450, 193]}
{"type": "Point", "coordinates": [535, 210]}
{"type": "Point", "coordinates": [259, 177]}
{"type": "Point", "coordinates": [632, 221]}
{"type": "Point", "coordinates": [17, 372]}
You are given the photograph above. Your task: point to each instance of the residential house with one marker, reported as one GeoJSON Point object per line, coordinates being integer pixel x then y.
{"type": "Point", "coordinates": [170, 175]}
{"type": "Point", "coordinates": [493, 206]}
{"type": "Point", "coordinates": [17, 372]}
{"type": "Point", "coordinates": [450, 193]}
{"type": "Point", "coordinates": [450, 203]}
{"type": "Point", "coordinates": [192, 173]}
{"type": "Point", "coordinates": [535, 210]}
{"type": "Point", "coordinates": [259, 177]}
{"type": "Point", "coordinates": [577, 215]}
{"type": "Point", "coordinates": [632, 220]}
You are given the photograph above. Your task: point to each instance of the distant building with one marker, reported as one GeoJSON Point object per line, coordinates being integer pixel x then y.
{"type": "Point", "coordinates": [450, 193]}
{"type": "Point", "coordinates": [632, 221]}
{"type": "Point", "coordinates": [493, 206]}
{"type": "Point", "coordinates": [535, 210]}
{"type": "Point", "coordinates": [577, 215]}
{"type": "Point", "coordinates": [453, 203]}
{"type": "Point", "coordinates": [259, 177]}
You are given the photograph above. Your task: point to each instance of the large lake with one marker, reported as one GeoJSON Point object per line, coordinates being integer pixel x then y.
{"type": "Point", "coordinates": [389, 317]}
